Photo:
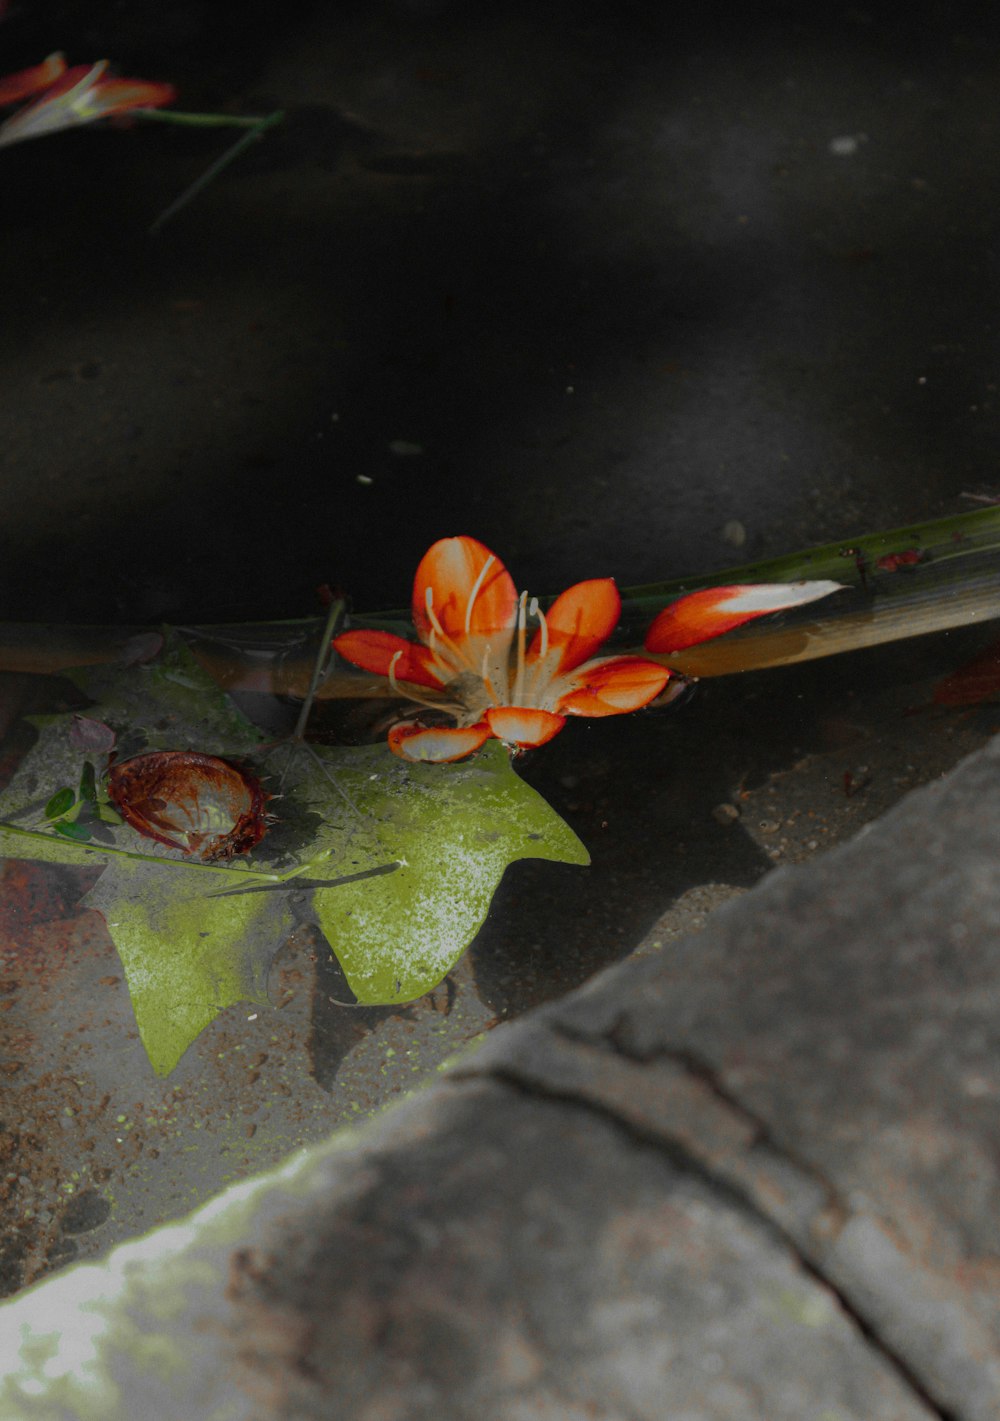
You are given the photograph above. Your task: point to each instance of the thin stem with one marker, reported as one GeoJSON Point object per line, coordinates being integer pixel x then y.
{"type": "Point", "coordinates": [207, 120]}
{"type": "Point", "coordinates": [214, 169]}
{"type": "Point", "coordinates": [331, 780]}
{"type": "Point", "coordinates": [379, 871]}
{"type": "Point", "coordinates": [104, 849]}
{"type": "Point", "coordinates": [333, 618]}
{"type": "Point", "coordinates": [957, 584]}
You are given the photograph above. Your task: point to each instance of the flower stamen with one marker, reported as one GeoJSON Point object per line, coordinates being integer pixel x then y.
{"type": "Point", "coordinates": [477, 587]}
{"type": "Point", "coordinates": [452, 654]}
{"type": "Point", "coordinates": [448, 707]}
{"type": "Point", "coordinates": [540, 674]}
{"type": "Point", "coordinates": [487, 680]}
{"type": "Point", "coordinates": [519, 676]}
{"type": "Point", "coordinates": [534, 610]}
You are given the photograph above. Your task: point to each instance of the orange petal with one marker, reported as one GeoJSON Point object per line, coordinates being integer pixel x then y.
{"type": "Point", "coordinates": [522, 725]}
{"type": "Point", "coordinates": [26, 82]}
{"type": "Point", "coordinates": [615, 686]}
{"type": "Point", "coordinates": [113, 96]}
{"type": "Point", "coordinates": [437, 744]}
{"type": "Point", "coordinates": [76, 81]}
{"type": "Point", "coordinates": [706, 614]}
{"type": "Point", "coordinates": [374, 651]}
{"type": "Point", "coordinates": [579, 621]}
{"type": "Point", "coordinates": [455, 570]}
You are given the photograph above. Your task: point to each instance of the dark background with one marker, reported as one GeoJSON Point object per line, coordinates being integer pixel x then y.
{"type": "Point", "coordinates": [598, 263]}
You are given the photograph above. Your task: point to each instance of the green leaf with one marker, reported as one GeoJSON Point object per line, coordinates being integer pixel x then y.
{"type": "Point", "coordinates": [401, 860]}
{"type": "Point", "coordinates": [187, 953]}
{"type": "Point", "coordinates": [88, 784]}
{"type": "Point", "coordinates": [62, 801]}
{"type": "Point", "coordinates": [453, 829]}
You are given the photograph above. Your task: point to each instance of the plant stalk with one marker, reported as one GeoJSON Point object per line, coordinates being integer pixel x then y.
{"type": "Point", "coordinates": [949, 577]}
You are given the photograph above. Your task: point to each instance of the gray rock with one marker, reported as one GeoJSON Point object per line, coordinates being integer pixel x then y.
{"type": "Point", "coordinates": [834, 1042]}
{"type": "Point", "coordinates": [749, 1177]}
{"type": "Point", "coordinates": [480, 1254]}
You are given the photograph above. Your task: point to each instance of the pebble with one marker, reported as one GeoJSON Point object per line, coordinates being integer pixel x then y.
{"type": "Point", "coordinates": [845, 145]}
{"type": "Point", "coordinates": [725, 813]}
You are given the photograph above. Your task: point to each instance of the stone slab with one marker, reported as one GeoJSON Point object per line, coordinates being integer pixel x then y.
{"type": "Point", "coordinates": [482, 1253]}
{"type": "Point", "coordinates": [748, 1177]}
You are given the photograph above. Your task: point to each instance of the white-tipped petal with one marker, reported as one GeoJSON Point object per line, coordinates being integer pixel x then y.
{"type": "Point", "coordinates": [776, 596]}
{"type": "Point", "coordinates": [712, 611]}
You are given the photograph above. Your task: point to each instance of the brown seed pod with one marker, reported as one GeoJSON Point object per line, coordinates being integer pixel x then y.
{"type": "Point", "coordinates": [197, 803]}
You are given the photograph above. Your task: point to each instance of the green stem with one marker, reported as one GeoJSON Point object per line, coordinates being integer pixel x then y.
{"type": "Point", "coordinates": [957, 583]}
{"type": "Point", "coordinates": [104, 849]}
{"type": "Point", "coordinates": [260, 126]}
{"type": "Point", "coordinates": [323, 655]}
{"type": "Point", "coordinates": [207, 120]}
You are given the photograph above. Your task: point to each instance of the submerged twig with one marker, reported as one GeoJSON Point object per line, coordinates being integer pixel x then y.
{"type": "Point", "coordinates": [324, 656]}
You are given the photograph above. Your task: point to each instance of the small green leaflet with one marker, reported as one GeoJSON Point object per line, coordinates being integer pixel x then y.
{"type": "Point", "coordinates": [61, 801]}
{"type": "Point", "coordinates": [397, 863]}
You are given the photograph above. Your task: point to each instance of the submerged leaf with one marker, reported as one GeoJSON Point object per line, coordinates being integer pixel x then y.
{"type": "Point", "coordinates": [187, 952]}
{"type": "Point", "coordinates": [88, 782]}
{"type": "Point", "coordinates": [60, 803]}
{"type": "Point", "coordinates": [88, 734]}
{"type": "Point", "coordinates": [453, 829]}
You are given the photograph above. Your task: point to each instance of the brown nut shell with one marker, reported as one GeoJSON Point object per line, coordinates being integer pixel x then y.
{"type": "Point", "coordinates": [199, 804]}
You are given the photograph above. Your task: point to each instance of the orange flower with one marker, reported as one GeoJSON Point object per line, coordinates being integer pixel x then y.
{"type": "Point", "coordinates": [474, 655]}
{"type": "Point", "coordinates": [475, 658]}
{"type": "Point", "coordinates": [72, 96]}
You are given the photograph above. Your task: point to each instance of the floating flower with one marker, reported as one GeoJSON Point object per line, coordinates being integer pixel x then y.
{"type": "Point", "coordinates": [474, 654]}
{"type": "Point", "coordinates": [475, 658]}
{"type": "Point", "coordinates": [72, 96]}
{"type": "Point", "coordinates": [189, 801]}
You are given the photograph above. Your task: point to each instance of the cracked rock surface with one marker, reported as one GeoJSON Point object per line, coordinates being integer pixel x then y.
{"type": "Point", "coordinates": [749, 1177]}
